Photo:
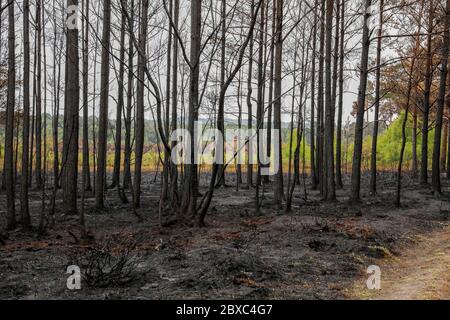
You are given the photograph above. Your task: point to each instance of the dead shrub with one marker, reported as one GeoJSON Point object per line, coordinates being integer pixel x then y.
{"type": "Point", "coordinates": [111, 262]}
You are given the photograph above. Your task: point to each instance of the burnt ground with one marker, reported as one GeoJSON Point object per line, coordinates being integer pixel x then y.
{"type": "Point", "coordinates": [318, 251]}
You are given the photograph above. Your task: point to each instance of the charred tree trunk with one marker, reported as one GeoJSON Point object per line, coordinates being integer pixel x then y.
{"type": "Point", "coordinates": [86, 169]}
{"type": "Point", "coordinates": [426, 99]}
{"type": "Point", "coordinates": [436, 168]}
{"type": "Point", "coordinates": [71, 119]}
{"type": "Point", "coordinates": [373, 159]}
{"type": "Point", "coordinates": [103, 115]}
{"type": "Point", "coordinates": [341, 100]}
{"type": "Point", "coordinates": [314, 177]}
{"type": "Point", "coordinates": [120, 107]}
{"type": "Point", "coordinates": [320, 102]}
{"type": "Point", "coordinates": [329, 188]}
{"type": "Point", "coordinates": [38, 170]}
{"type": "Point", "coordinates": [250, 113]}
{"type": "Point", "coordinates": [174, 169]}
{"type": "Point", "coordinates": [140, 124]}
{"type": "Point", "coordinates": [129, 109]}
{"type": "Point", "coordinates": [220, 111]}
{"type": "Point", "coordinates": [24, 208]}
{"type": "Point", "coordinates": [357, 153]}
{"type": "Point", "coordinates": [9, 130]}
{"type": "Point", "coordinates": [279, 189]}
{"type": "Point", "coordinates": [190, 192]}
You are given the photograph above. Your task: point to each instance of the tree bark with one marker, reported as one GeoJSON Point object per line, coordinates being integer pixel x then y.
{"type": "Point", "coordinates": [279, 189]}
{"type": "Point", "coordinates": [9, 130]}
{"type": "Point", "coordinates": [220, 111]}
{"type": "Point", "coordinates": [436, 168]}
{"type": "Point", "coordinates": [329, 188]}
{"type": "Point", "coordinates": [140, 124]}
{"type": "Point", "coordinates": [174, 169]}
{"type": "Point", "coordinates": [373, 159]}
{"type": "Point", "coordinates": [129, 109]}
{"type": "Point", "coordinates": [249, 110]}
{"type": "Point", "coordinates": [320, 102]}
{"type": "Point", "coordinates": [86, 169]}
{"type": "Point", "coordinates": [314, 177]}
{"type": "Point", "coordinates": [189, 201]}
{"type": "Point", "coordinates": [426, 99]}
{"type": "Point", "coordinates": [103, 112]}
{"type": "Point", "coordinates": [119, 107]}
{"type": "Point", "coordinates": [38, 164]}
{"type": "Point", "coordinates": [340, 100]}
{"type": "Point", "coordinates": [357, 153]}
{"type": "Point", "coordinates": [71, 120]}
{"type": "Point", "coordinates": [24, 207]}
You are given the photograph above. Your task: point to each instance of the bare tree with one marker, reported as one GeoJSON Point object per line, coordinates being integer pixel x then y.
{"type": "Point", "coordinates": [38, 61]}
{"type": "Point", "coordinates": [357, 152]}
{"type": "Point", "coordinates": [9, 131]}
{"type": "Point", "coordinates": [71, 119]}
{"type": "Point", "coordinates": [341, 99]}
{"type": "Point", "coordinates": [140, 121]}
{"type": "Point", "coordinates": [86, 167]}
{"type": "Point", "coordinates": [279, 190]}
{"type": "Point", "coordinates": [426, 96]}
{"type": "Point", "coordinates": [373, 159]}
{"type": "Point", "coordinates": [329, 186]}
{"type": "Point", "coordinates": [436, 168]}
{"type": "Point", "coordinates": [24, 207]}
{"type": "Point", "coordinates": [314, 177]}
{"type": "Point", "coordinates": [119, 107]}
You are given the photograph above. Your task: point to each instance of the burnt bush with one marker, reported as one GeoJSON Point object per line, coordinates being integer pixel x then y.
{"type": "Point", "coordinates": [111, 262]}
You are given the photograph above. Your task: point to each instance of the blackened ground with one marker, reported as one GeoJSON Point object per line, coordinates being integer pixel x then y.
{"type": "Point", "coordinates": [319, 251]}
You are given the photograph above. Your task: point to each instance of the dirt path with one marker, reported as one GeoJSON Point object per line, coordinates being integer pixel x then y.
{"type": "Point", "coordinates": [421, 272]}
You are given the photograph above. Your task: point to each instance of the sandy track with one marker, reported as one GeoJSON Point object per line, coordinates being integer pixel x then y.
{"type": "Point", "coordinates": [421, 272]}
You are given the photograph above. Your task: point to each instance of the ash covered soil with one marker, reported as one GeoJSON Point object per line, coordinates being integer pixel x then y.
{"type": "Point", "coordinates": [318, 251]}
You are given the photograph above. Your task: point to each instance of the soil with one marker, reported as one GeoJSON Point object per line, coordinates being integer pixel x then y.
{"type": "Point", "coordinates": [320, 250]}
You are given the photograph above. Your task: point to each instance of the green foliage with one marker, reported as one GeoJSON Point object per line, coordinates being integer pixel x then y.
{"type": "Point", "coordinates": [389, 143]}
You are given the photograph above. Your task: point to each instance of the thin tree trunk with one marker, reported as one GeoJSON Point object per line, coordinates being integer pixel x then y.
{"type": "Point", "coordinates": [444, 142]}
{"type": "Point", "coordinates": [103, 112]}
{"type": "Point", "coordinates": [250, 114]}
{"type": "Point", "coordinates": [86, 169]}
{"type": "Point", "coordinates": [436, 168]}
{"type": "Point", "coordinates": [220, 111]}
{"type": "Point", "coordinates": [414, 144]}
{"type": "Point", "coordinates": [38, 170]}
{"type": "Point", "coordinates": [270, 97]}
{"type": "Point", "coordinates": [313, 166]}
{"type": "Point", "coordinates": [320, 102]}
{"type": "Point", "coordinates": [341, 100]}
{"type": "Point", "coordinates": [129, 109]}
{"type": "Point", "coordinates": [260, 103]}
{"type": "Point", "coordinates": [140, 105]}
{"type": "Point", "coordinates": [174, 170]}
{"type": "Point", "coordinates": [403, 145]}
{"type": "Point", "coordinates": [167, 160]}
{"type": "Point", "coordinates": [9, 130]}
{"type": "Point", "coordinates": [24, 208]}
{"type": "Point", "coordinates": [71, 120]}
{"type": "Point", "coordinates": [373, 159]}
{"type": "Point", "coordinates": [56, 102]}
{"type": "Point", "coordinates": [426, 99]}
{"type": "Point", "coordinates": [329, 188]}
{"type": "Point", "coordinates": [189, 201]}
{"type": "Point", "coordinates": [279, 189]}
{"type": "Point", "coordinates": [357, 153]}
{"type": "Point", "coordinates": [239, 104]}
{"type": "Point", "coordinates": [120, 107]}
